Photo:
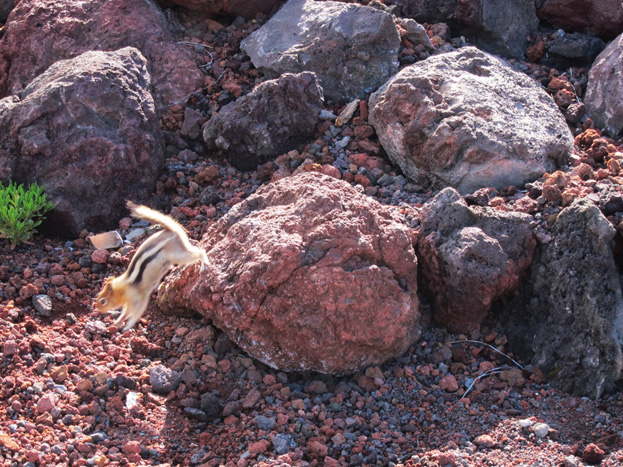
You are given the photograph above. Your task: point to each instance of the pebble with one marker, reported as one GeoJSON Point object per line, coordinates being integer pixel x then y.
{"type": "Point", "coordinates": [485, 441]}
{"type": "Point", "coordinates": [164, 380]}
{"type": "Point", "coordinates": [43, 304]}
{"type": "Point", "coordinates": [540, 430]}
{"type": "Point", "coordinates": [47, 402]}
{"type": "Point", "coordinates": [9, 348]}
{"type": "Point", "coordinates": [99, 256]}
{"type": "Point", "coordinates": [264, 423]}
{"type": "Point", "coordinates": [593, 454]}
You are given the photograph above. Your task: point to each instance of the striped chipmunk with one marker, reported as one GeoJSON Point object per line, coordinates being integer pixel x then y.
{"type": "Point", "coordinates": [163, 249]}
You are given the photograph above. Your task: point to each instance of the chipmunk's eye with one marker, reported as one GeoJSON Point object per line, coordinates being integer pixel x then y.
{"type": "Point", "coordinates": [103, 301]}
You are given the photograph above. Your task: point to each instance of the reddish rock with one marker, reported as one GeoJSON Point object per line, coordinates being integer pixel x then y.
{"type": "Point", "coordinates": [470, 257]}
{"type": "Point", "coordinates": [601, 17]}
{"type": "Point", "coordinates": [42, 32]}
{"type": "Point", "coordinates": [47, 403]}
{"type": "Point", "coordinates": [93, 116]}
{"type": "Point", "coordinates": [307, 274]}
{"type": "Point", "coordinates": [593, 454]}
{"type": "Point", "coordinates": [131, 447]}
{"type": "Point", "coordinates": [449, 383]}
{"type": "Point", "coordinates": [245, 8]}
{"type": "Point", "coordinates": [9, 348]}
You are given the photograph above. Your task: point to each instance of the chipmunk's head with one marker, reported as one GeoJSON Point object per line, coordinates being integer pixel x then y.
{"type": "Point", "coordinates": [108, 298]}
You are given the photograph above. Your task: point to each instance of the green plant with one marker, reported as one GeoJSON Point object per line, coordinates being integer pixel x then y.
{"type": "Point", "coordinates": [21, 211]}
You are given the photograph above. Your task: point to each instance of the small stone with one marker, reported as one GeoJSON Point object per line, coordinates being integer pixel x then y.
{"type": "Point", "coordinates": [106, 240]}
{"type": "Point", "coordinates": [164, 380]}
{"type": "Point", "coordinates": [211, 405]}
{"type": "Point", "coordinates": [449, 383]}
{"type": "Point", "coordinates": [282, 443]}
{"type": "Point", "coordinates": [10, 348]}
{"type": "Point", "coordinates": [99, 256]}
{"type": "Point", "coordinates": [570, 461]}
{"type": "Point", "coordinates": [43, 304]}
{"type": "Point", "coordinates": [134, 234]}
{"type": "Point", "coordinates": [47, 403]}
{"type": "Point", "coordinates": [485, 441]}
{"type": "Point", "coordinates": [526, 423]}
{"type": "Point", "coordinates": [60, 374]}
{"type": "Point", "coordinates": [264, 423]}
{"type": "Point", "coordinates": [593, 454]}
{"type": "Point", "coordinates": [540, 430]}
{"type": "Point", "coordinates": [196, 414]}
{"type": "Point", "coordinates": [131, 447]}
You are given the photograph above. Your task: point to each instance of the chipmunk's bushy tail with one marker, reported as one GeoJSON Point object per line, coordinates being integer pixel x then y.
{"type": "Point", "coordinates": [155, 217]}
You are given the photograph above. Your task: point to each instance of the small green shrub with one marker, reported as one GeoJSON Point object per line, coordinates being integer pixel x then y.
{"type": "Point", "coordinates": [21, 211]}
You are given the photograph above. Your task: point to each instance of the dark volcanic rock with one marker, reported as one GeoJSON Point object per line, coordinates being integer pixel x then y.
{"type": "Point", "coordinates": [87, 131]}
{"type": "Point", "coordinates": [571, 312]}
{"type": "Point", "coordinates": [271, 120]}
{"type": "Point", "coordinates": [470, 257]}
{"type": "Point", "coordinates": [43, 31]}
{"type": "Point", "coordinates": [307, 274]}
{"type": "Point", "coordinates": [245, 8]}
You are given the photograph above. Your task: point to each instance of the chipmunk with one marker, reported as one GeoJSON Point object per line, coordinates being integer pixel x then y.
{"type": "Point", "coordinates": [133, 288]}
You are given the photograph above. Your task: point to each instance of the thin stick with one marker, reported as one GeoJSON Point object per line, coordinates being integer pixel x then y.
{"type": "Point", "coordinates": [491, 347]}
{"type": "Point", "coordinates": [493, 371]}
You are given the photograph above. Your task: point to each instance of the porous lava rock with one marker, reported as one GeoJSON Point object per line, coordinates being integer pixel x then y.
{"type": "Point", "coordinates": [498, 26]}
{"type": "Point", "coordinates": [272, 119]}
{"type": "Point", "coordinates": [245, 8]}
{"type": "Point", "coordinates": [601, 17]}
{"type": "Point", "coordinates": [604, 91]}
{"type": "Point", "coordinates": [40, 32]}
{"type": "Point", "coordinates": [307, 274]}
{"type": "Point", "coordinates": [470, 257]}
{"type": "Point", "coordinates": [87, 131]}
{"type": "Point", "coordinates": [570, 314]}
{"type": "Point", "coordinates": [353, 49]}
{"type": "Point", "coordinates": [467, 120]}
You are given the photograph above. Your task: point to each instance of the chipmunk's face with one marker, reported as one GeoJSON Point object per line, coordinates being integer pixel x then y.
{"type": "Point", "coordinates": [106, 299]}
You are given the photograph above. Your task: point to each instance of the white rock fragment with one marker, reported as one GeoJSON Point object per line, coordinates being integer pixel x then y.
{"type": "Point", "coordinates": [540, 430]}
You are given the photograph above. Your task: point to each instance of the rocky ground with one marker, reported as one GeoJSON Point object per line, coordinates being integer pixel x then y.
{"type": "Point", "coordinates": [176, 391]}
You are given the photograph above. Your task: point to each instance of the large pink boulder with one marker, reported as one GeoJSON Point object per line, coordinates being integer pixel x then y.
{"type": "Point", "coordinates": [307, 274]}
{"type": "Point", "coordinates": [41, 32]}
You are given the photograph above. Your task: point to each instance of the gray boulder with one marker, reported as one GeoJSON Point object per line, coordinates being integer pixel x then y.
{"type": "Point", "coordinates": [88, 132]}
{"type": "Point", "coordinates": [353, 49]}
{"type": "Point", "coordinates": [272, 119]}
{"type": "Point", "coordinates": [571, 313]}
{"type": "Point", "coordinates": [470, 257]}
{"type": "Point", "coordinates": [604, 91]}
{"type": "Point", "coordinates": [467, 120]}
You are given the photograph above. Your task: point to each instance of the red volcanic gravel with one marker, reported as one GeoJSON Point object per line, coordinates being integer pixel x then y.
{"type": "Point", "coordinates": [76, 391]}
